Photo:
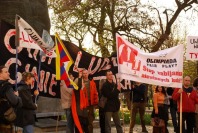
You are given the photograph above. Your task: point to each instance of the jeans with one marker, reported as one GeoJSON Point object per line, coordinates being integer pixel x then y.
{"type": "Point", "coordinates": [70, 121]}
{"type": "Point", "coordinates": [116, 120]}
{"type": "Point", "coordinates": [28, 129]}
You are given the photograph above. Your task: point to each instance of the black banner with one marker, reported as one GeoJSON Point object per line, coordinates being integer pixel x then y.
{"type": "Point", "coordinates": [28, 60]}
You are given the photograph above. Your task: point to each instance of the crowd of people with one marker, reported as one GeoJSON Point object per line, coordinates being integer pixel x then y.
{"type": "Point", "coordinates": [165, 99]}
{"type": "Point", "coordinates": [79, 104]}
{"type": "Point", "coordinates": [20, 99]}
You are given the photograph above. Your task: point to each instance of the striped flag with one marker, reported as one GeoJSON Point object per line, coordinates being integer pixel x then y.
{"type": "Point", "coordinates": [63, 63]}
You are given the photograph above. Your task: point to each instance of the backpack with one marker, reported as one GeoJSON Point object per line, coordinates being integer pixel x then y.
{"type": "Point", "coordinates": [7, 112]}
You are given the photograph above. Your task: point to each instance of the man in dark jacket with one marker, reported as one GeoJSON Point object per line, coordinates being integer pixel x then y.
{"type": "Point", "coordinates": [8, 93]}
{"type": "Point", "coordinates": [138, 97]}
{"type": "Point", "coordinates": [111, 91]}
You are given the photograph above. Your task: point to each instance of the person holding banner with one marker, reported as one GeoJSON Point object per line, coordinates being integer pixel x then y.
{"type": "Point", "coordinates": [25, 114]}
{"type": "Point", "coordinates": [66, 95]}
{"type": "Point", "coordinates": [195, 85]}
{"type": "Point", "coordinates": [111, 91]}
{"type": "Point", "coordinates": [159, 110]}
{"type": "Point", "coordinates": [189, 100]}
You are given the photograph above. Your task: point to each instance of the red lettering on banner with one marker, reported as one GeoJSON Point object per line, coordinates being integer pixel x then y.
{"type": "Point", "coordinates": [91, 65]}
{"type": "Point", "coordinates": [105, 65]}
{"type": "Point", "coordinates": [177, 80]}
{"type": "Point", "coordinates": [44, 77]}
{"type": "Point", "coordinates": [155, 78]}
{"type": "Point", "coordinates": [193, 55]}
{"type": "Point", "coordinates": [148, 70]}
{"type": "Point", "coordinates": [114, 61]}
{"type": "Point", "coordinates": [27, 39]}
{"type": "Point", "coordinates": [76, 63]}
{"type": "Point", "coordinates": [170, 73]}
{"type": "Point", "coordinates": [53, 82]}
{"type": "Point", "coordinates": [7, 37]}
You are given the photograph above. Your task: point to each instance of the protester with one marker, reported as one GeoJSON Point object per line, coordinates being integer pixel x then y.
{"type": "Point", "coordinates": [195, 85]}
{"type": "Point", "coordinates": [66, 95]}
{"type": "Point", "coordinates": [101, 110]}
{"type": "Point", "coordinates": [166, 106]}
{"type": "Point", "coordinates": [26, 114]}
{"type": "Point", "coordinates": [111, 91]}
{"type": "Point", "coordinates": [8, 93]}
{"type": "Point", "coordinates": [172, 107]}
{"type": "Point", "coordinates": [138, 97]}
{"type": "Point", "coordinates": [159, 110]}
{"type": "Point", "coordinates": [189, 99]}
{"type": "Point", "coordinates": [88, 87]}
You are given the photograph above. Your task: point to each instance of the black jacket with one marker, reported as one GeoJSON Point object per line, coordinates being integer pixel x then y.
{"type": "Point", "coordinates": [25, 114]}
{"type": "Point", "coordinates": [139, 93]}
{"type": "Point", "coordinates": [110, 91]}
{"type": "Point", "coordinates": [6, 91]}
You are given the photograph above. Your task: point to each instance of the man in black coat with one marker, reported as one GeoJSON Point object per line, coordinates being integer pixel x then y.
{"type": "Point", "coordinates": [111, 91]}
{"type": "Point", "coordinates": [8, 93]}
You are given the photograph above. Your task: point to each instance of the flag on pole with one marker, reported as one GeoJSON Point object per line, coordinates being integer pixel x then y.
{"type": "Point", "coordinates": [63, 63]}
{"type": "Point", "coordinates": [29, 38]}
{"type": "Point", "coordinates": [17, 31]}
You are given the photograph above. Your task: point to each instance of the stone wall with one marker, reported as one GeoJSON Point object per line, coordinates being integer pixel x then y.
{"type": "Point", "coordinates": [35, 12]}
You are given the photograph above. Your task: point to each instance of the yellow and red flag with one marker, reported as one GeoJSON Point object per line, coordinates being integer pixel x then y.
{"type": "Point", "coordinates": [63, 63]}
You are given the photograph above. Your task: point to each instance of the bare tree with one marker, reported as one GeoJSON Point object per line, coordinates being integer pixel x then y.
{"type": "Point", "coordinates": [143, 25]}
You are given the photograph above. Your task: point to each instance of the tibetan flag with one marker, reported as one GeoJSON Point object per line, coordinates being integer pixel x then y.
{"type": "Point", "coordinates": [63, 63]}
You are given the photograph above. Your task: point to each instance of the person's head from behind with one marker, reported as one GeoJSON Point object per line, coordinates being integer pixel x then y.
{"type": "Point", "coordinates": [4, 74]}
{"type": "Point", "coordinates": [109, 75]}
{"type": "Point", "coordinates": [195, 83]}
{"type": "Point", "coordinates": [28, 77]}
{"type": "Point", "coordinates": [186, 81]}
{"type": "Point", "coordinates": [160, 89]}
{"type": "Point", "coordinates": [138, 83]}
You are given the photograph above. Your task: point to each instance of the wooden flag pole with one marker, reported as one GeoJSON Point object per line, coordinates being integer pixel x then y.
{"type": "Point", "coordinates": [16, 44]}
{"type": "Point", "coordinates": [180, 113]}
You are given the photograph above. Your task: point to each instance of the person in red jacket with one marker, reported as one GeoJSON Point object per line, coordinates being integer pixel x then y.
{"type": "Point", "coordinates": [86, 101]}
{"type": "Point", "coordinates": [189, 99]}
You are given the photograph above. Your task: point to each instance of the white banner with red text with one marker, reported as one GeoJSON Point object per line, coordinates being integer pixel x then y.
{"type": "Point", "coordinates": [164, 68]}
{"type": "Point", "coordinates": [192, 48]}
